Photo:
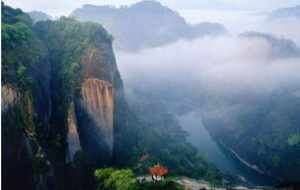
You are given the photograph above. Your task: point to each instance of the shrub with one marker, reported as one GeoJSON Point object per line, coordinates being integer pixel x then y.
{"type": "Point", "coordinates": [111, 179]}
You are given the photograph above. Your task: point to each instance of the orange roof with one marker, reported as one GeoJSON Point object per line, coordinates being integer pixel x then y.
{"type": "Point", "coordinates": [158, 170]}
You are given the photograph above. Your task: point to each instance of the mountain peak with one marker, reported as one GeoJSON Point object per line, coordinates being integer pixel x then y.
{"type": "Point", "coordinates": [148, 5]}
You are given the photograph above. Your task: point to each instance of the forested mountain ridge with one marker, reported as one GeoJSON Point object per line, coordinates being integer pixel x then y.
{"type": "Point", "coordinates": [145, 24]}
{"type": "Point", "coordinates": [65, 113]}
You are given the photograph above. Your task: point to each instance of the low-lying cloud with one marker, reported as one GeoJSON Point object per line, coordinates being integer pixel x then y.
{"type": "Point", "coordinates": [224, 65]}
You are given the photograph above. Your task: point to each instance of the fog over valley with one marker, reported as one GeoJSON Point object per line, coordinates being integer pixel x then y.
{"type": "Point", "coordinates": [249, 75]}
{"type": "Point", "coordinates": [228, 64]}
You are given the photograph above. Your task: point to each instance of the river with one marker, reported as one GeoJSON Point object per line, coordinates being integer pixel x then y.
{"type": "Point", "coordinates": [216, 154]}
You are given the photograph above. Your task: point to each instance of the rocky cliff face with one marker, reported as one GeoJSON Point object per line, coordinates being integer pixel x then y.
{"type": "Point", "coordinates": [58, 101]}
{"type": "Point", "coordinates": [97, 101]}
{"type": "Point", "coordinates": [24, 158]}
{"type": "Point", "coordinates": [9, 97]}
{"type": "Point", "coordinates": [73, 140]}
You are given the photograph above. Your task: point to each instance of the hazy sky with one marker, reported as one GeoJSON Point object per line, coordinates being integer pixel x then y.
{"type": "Point", "coordinates": [63, 7]}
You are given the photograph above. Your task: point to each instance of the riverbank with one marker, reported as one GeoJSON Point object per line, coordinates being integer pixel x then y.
{"type": "Point", "coordinates": [194, 184]}
{"type": "Point", "coordinates": [215, 152]}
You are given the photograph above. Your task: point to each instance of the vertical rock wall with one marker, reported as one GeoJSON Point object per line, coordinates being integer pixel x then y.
{"type": "Point", "coordinates": [97, 101]}
{"type": "Point", "coordinates": [9, 97]}
{"type": "Point", "coordinates": [72, 136]}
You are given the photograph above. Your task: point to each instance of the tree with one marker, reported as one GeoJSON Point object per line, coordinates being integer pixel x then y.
{"type": "Point", "coordinates": [112, 179]}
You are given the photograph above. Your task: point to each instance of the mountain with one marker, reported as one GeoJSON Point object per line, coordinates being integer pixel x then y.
{"type": "Point", "coordinates": [280, 47]}
{"type": "Point", "coordinates": [144, 24]}
{"type": "Point", "coordinates": [290, 12]}
{"type": "Point", "coordinates": [39, 16]}
{"type": "Point", "coordinates": [65, 112]}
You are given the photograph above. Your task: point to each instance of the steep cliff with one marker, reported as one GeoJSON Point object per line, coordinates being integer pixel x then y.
{"type": "Point", "coordinates": [59, 79]}
{"type": "Point", "coordinates": [10, 97]}
{"type": "Point", "coordinates": [89, 71]}
{"type": "Point", "coordinates": [24, 157]}
{"type": "Point", "coordinates": [97, 100]}
{"type": "Point", "coordinates": [18, 150]}
{"type": "Point", "coordinates": [73, 140]}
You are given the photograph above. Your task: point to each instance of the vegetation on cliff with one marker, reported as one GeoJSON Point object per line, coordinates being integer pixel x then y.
{"type": "Point", "coordinates": [41, 62]}
{"type": "Point", "coordinates": [21, 48]}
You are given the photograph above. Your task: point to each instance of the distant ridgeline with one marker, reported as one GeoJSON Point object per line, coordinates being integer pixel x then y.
{"type": "Point", "coordinates": [64, 111]}
{"type": "Point", "coordinates": [281, 48]}
{"type": "Point", "coordinates": [290, 12]}
{"type": "Point", "coordinates": [39, 16]}
{"type": "Point", "coordinates": [145, 24]}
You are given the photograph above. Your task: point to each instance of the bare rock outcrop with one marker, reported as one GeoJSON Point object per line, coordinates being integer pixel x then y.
{"type": "Point", "coordinates": [97, 100]}
{"type": "Point", "coordinates": [72, 136]}
{"type": "Point", "coordinates": [9, 97]}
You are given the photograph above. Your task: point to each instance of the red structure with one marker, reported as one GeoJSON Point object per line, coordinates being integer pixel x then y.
{"type": "Point", "coordinates": [158, 172]}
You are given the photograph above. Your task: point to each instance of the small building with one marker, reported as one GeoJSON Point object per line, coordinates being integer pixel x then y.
{"type": "Point", "coordinates": [158, 172]}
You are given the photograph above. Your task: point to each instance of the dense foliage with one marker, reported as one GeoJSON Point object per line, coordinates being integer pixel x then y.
{"type": "Point", "coordinates": [157, 137]}
{"type": "Point", "coordinates": [22, 50]}
{"type": "Point", "coordinates": [124, 179]}
{"type": "Point", "coordinates": [116, 179]}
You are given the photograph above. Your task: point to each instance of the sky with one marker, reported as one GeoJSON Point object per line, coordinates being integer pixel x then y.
{"type": "Point", "coordinates": [64, 7]}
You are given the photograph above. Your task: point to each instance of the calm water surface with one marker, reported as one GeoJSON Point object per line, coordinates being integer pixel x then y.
{"type": "Point", "coordinates": [224, 160]}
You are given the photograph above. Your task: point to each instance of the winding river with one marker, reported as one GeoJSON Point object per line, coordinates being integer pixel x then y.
{"type": "Point", "coordinates": [223, 159]}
